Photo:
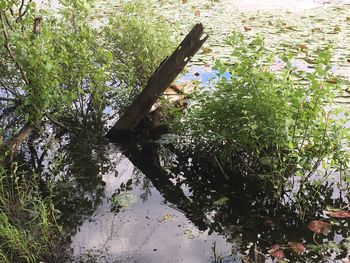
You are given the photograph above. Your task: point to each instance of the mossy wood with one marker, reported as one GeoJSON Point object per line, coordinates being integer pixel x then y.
{"type": "Point", "coordinates": [159, 81]}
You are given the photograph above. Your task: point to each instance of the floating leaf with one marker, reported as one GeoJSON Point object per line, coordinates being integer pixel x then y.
{"type": "Point", "coordinates": [184, 1]}
{"type": "Point", "coordinates": [124, 200]}
{"type": "Point", "coordinates": [347, 18]}
{"type": "Point", "coordinates": [274, 248]}
{"type": "Point", "coordinates": [167, 217]}
{"type": "Point", "coordinates": [129, 182]}
{"type": "Point", "coordinates": [332, 80]}
{"type": "Point", "coordinates": [336, 29]}
{"type": "Point", "coordinates": [338, 214]}
{"type": "Point", "coordinates": [188, 232]}
{"type": "Point", "coordinates": [206, 50]}
{"type": "Point", "coordinates": [297, 247]}
{"type": "Point", "coordinates": [319, 227]}
{"type": "Point", "coordinates": [221, 201]}
{"type": "Point", "coordinates": [303, 47]}
{"type": "Point", "coordinates": [278, 254]}
{"type": "Point", "coordinates": [247, 28]}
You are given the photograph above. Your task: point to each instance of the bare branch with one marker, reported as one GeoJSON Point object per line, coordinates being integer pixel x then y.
{"type": "Point", "coordinates": [8, 99]}
{"type": "Point", "coordinates": [21, 7]}
{"type": "Point", "coordinates": [58, 123]}
{"type": "Point", "coordinates": [20, 11]}
{"type": "Point", "coordinates": [17, 140]}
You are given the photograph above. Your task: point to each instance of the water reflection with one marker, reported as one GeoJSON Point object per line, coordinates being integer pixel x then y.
{"type": "Point", "coordinates": [155, 228]}
{"type": "Point", "coordinates": [183, 206]}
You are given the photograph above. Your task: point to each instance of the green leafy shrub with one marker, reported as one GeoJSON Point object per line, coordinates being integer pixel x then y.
{"type": "Point", "coordinates": [270, 125]}
{"type": "Point", "coordinates": [139, 39]}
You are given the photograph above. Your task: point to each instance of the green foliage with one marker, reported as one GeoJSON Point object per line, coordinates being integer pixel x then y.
{"type": "Point", "coordinates": [50, 65]}
{"type": "Point", "coordinates": [139, 40]}
{"type": "Point", "coordinates": [267, 124]}
{"type": "Point", "coordinates": [59, 68]}
{"type": "Point", "coordinates": [27, 221]}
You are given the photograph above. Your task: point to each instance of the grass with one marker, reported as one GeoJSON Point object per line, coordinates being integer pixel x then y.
{"type": "Point", "coordinates": [27, 221]}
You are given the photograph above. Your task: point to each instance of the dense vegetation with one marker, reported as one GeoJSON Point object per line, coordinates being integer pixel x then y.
{"type": "Point", "coordinates": [282, 127]}
{"type": "Point", "coordinates": [61, 76]}
{"type": "Point", "coordinates": [58, 73]}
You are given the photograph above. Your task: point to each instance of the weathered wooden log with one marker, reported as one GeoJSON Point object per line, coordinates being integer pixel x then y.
{"type": "Point", "coordinates": [159, 81]}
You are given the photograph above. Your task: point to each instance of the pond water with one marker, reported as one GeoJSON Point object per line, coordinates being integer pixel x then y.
{"type": "Point", "coordinates": [147, 228]}
{"type": "Point", "coordinates": [140, 203]}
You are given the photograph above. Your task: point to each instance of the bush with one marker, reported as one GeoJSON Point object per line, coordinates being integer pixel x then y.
{"type": "Point", "coordinates": [269, 125]}
{"type": "Point", "coordinates": [140, 40]}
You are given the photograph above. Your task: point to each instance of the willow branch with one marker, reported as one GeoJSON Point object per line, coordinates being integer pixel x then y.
{"type": "Point", "coordinates": [21, 7]}
{"type": "Point", "coordinates": [24, 12]}
{"type": "Point", "coordinates": [7, 46]}
{"type": "Point", "coordinates": [18, 139]}
{"type": "Point", "coordinates": [60, 124]}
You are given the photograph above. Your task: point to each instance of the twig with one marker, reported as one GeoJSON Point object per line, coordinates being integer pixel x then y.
{"type": "Point", "coordinates": [220, 167]}
{"type": "Point", "coordinates": [20, 11]}
{"type": "Point", "coordinates": [21, 7]}
{"type": "Point", "coordinates": [58, 123]}
{"type": "Point", "coordinates": [7, 46]}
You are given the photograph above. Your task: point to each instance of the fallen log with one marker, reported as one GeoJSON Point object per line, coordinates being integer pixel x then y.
{"type": "Point", "coordinates": [159, 81]}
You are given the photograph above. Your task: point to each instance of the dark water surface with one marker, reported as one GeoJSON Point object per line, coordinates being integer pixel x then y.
{"type": "Point", "coordinates": [146, 203]}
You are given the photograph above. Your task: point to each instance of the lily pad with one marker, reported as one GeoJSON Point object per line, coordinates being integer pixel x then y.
{"type": "Point", "coordinates": [124, 200]}
{"type": "Point", "coordinates": [298, 248]}
{"type": "Point", "coordinates": [338, 213]}
{"type": "Point", "coordinates": [319, 227]}
{"type": "Point", "coordinates": [278, 254]}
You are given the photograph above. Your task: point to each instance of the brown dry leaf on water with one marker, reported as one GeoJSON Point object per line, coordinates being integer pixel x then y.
{"type": "Point", "coordinates": [332, 80]}
{"type": "Point", "coordinates": [247, 28]}
{"type": "Point", "coordinates": [298, 248]}
{"type": "Point", "coordinates": [184, 1]}
{"type": "Point", "coordinates": [319, 227]}
{"type": "Point", "coordinates": [338, 214]}
{"type": "Point", "coordinates": [274, 248]}
{"type": "Point", "coordinates": [336, 29]}
{"type": "Point", "coordinates": [206, 50]}
{"type": "Point", "coordinates": [303, 47]}
{"type": "Point", "coordinates": [278, 254]}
